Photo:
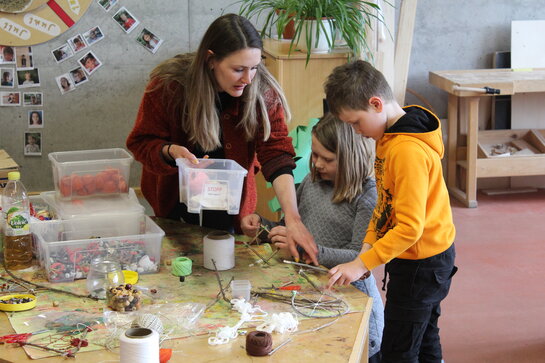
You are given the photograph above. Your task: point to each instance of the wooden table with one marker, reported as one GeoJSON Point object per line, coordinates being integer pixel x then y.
{"type": "Point", "coordinates": [465, 157]}
{"type": "Point", "coordinates": [346, 340]}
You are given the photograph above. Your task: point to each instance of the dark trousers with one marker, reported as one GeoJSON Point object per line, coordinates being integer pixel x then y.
{"type": "Point", "coordinates": [216, 219]}
{"type": "Point", "coordinates": [411, 314]}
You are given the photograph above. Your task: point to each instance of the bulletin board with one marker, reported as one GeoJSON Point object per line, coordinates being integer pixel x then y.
{"type": "Point", "coordinates": [29, 22]}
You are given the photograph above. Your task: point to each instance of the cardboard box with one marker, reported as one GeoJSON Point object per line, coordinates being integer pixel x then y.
{"type": "Point", "coordinates": [6, 165]}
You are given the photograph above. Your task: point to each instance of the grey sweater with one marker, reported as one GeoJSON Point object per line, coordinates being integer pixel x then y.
{"type": "Point", "coordinates": [338, 229]}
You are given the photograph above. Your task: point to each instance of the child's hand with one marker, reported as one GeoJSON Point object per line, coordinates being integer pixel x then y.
{"type": "Point", "coordinates": [279, 236]}
{"type": "Point", "coordinates": [346, 273]}
{"type": "Point", "coordinates": [250, 224]}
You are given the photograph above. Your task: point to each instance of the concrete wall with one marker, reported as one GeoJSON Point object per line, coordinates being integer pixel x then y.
{"type": "Point", "coordinates": [101, 112]}
{"type": "Point", "coordinates": [449, 34]}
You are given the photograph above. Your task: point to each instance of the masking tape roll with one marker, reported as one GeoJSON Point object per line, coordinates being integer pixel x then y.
{"type": "Point", "coordinates": [139, 345]}
{"type": "Point", "coordinates": [220, 247]}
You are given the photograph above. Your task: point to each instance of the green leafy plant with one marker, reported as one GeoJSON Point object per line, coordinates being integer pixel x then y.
{"type": "Point", "coordinates": [347, 18]}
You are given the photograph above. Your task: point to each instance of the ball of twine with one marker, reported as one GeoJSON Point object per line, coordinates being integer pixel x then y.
{"type": "Point", "coordinates": [181, 266]}
{"type": "Point", "coordinates": [149, 321]}
{"type": "Point", "coordinates": [258, 343]}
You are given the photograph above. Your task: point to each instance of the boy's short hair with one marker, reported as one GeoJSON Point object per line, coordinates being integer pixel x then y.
{"type": "Point", "coordinates": [351, 85]}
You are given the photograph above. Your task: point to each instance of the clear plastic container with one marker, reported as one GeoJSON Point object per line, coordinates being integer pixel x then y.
{"type": "Point", "coordinates": [241, 289]}
{"type": "Point", "coordinates": [213, 184]}
{"type": "Point", "coordinates": [85, 173]}
{"type": "Point", "coordinates": [51, 228]}
{"type": "Point", "coordinates": [102, 205]}
{"type": "Point", "coordinates": [70, 257]}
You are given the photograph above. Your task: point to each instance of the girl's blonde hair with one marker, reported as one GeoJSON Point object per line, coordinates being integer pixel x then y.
{"type": "Point", "coordinates": [190, 90]}
{"type": "Point", "coordinates": [355, 156]}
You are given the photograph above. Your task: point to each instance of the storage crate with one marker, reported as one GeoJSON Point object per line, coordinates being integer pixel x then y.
{"type": "Point", "coordinates": [98, 206]}
{"type": "Point", "coordinates": [85, 173]}
{"type": "Point", "coordinates": [51, 229]}
{"type": "Point", "coordinates": [213, 184]}
{"type": "Point", "coordinates": [510, 143]}
{"type": "Point", "coordinates": [70, 257]}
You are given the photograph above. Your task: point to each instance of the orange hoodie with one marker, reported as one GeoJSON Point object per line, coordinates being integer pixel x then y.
{"type": "Point", "coordinates": [412, 219]}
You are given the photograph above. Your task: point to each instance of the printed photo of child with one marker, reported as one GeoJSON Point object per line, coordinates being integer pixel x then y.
{"type": "Point", "coordinates": [10, 99]}
{"type": "Point", "coordinates": [7, 77]}
{"type": "Point", "coordinates": [149, 40]}
{"type": "Point", "coordinates": [24, 58]}
{"type": "Point", "coordinates": [62, 53]}
{"type": "Point", "coordinates": [77, 43]}
{"type": "Point", "coordinates": [35, 118]}
{"type": "Point", "coordinates": [90, 63]}
{"type": "Point", "coordinates": [33, 143]}
{"type": "Point", "coordinates": [93, 35]}
{"type": "Point", "coordinates": [7, 54]}
{"type": "Point", "coordinates": [107, 4]}
{"type": "Point", "coordinates": [78, 76]}
{"type": "Point", "coordinates": [28, 78]}
{"type": "Point", "coordinates": [126, 21]}
{"type": "Point", "coordinates": [32, 99]}
{"type": "Point", "coordinates": [65, 83]}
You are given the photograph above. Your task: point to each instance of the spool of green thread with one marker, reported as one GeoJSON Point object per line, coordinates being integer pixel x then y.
{"type": "Point", "coordinates": [181, 267]}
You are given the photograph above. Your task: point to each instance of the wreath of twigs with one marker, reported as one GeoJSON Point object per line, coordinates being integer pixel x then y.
{"type": "Point", "coordinates": [310, 304]}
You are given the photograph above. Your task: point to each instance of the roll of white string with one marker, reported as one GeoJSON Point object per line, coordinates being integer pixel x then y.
{"type": "Point", "coordinates": [139, 345]}
{"type": "Point", "coordinates": [220, 247]}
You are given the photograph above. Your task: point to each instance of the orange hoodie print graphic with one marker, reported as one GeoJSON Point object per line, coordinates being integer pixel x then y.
{"type": "Point", "coordinates": [383, 210]}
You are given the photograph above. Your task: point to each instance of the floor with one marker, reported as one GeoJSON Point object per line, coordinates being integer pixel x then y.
{"type": "Point", "coordinates": [495, 311]}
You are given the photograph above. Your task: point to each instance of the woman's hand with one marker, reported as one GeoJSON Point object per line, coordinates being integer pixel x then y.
{"type": "Point", "coordinates": [298, 235]}
{"type": "Point", "coordinates": [278, 236]}
{"type": "Point", "coordinates": [174, 152]}
{"type": "Point", "coordinates": [250, 224]}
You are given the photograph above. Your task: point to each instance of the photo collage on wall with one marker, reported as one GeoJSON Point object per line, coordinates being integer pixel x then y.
{"type": "Point", "coordinates": [20, 76]}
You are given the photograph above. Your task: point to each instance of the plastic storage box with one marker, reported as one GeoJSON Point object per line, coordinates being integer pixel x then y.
{"type": "Point", "coordinates": [241, 289]}
{"type": "Point", "coordinates": [98, 206]}
{"type": "Point", "coordinates": [85, 173]}
{"type": "Point", "coordinates": [70, 257]}
{"type": "Point", "coordinates": [214, 184]}
{"type": "Point", "coordinates": [49, 228]}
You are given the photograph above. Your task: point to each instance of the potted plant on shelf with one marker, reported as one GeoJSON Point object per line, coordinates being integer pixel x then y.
{"type": "Point", "coordinates": [317, 23]}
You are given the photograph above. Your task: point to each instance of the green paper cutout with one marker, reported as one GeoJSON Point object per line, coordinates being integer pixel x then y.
{"type": "Point", "coordinates": [302, 142]}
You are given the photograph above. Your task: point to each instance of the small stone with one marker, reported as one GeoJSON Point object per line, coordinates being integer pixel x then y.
{"type": "Point", "coordinates": [153, 291]}
{"type": "Point", "coordinates": [169, 262]}
{"type": "Point", "coordinates": [56, 303]}
{"type": "Point", "coordinates": [128, 286]}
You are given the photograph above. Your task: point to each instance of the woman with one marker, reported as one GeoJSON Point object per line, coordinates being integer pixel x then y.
{"type": "Point", "coordinates": [223, 103]}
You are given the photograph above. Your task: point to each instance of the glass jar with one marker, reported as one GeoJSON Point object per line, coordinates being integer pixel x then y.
{"type": "Point", "coordinates": [103, 274]}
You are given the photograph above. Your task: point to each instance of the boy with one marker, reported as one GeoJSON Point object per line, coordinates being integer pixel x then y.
{"type": "Point", "coordinates": [411, 230]}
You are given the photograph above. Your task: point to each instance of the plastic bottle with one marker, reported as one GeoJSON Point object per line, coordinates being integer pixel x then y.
{"type": "Point", "coordinates": [16, 213]}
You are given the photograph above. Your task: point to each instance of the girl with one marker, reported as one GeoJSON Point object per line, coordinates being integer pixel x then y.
{"type": "Point", "coordinates": [336, 201]}
{"type": "Point", "coordinates": [223, 103]}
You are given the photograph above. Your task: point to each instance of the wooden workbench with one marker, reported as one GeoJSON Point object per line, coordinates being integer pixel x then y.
{"type": "Point", "coordinates": [346, 340]}
{"type": "Point", "coordinates": [464, 156]}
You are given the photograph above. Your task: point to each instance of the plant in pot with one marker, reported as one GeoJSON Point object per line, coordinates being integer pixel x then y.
{"type": "Point", "coordinates": [317, 23]}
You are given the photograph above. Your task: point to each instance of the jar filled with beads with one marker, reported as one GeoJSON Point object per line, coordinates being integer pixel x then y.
{"type": "Point", "coordinates": [103, 274]}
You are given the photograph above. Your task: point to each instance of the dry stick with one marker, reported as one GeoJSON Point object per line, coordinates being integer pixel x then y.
{"type": "Point", "coordinates": [272, 255]}
{"type": "Point", "coordinates": [219, 280]}
{"type": "Point", "coordinates": [67, 354]}
{"type": "Point", "coordinates": [47, 287]}
{"type": "Point", "coordinates": [211, 303]}
{"type": "Point", "coordinates": [302, 273]}
{"type": "Point", "coordinates": [255, 252]}
{"type": "Point", "coordinates": [280, 346]}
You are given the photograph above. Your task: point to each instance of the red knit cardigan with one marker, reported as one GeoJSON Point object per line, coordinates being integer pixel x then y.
{"type": "Point", "coordinates": [155, 127]}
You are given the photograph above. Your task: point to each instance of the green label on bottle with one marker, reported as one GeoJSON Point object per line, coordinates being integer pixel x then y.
{"type": "Point", "coordinates": [17, 222]}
